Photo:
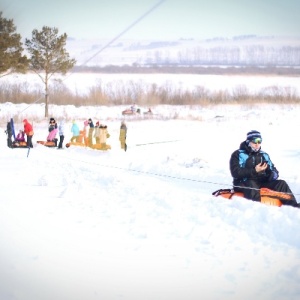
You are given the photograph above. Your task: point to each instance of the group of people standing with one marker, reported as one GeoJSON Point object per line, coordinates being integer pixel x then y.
{"type": "Point", "coordinates": [91, 132]}
{"type": "Point", "coordinates": [53, 129]}
{"type": "Point", "coordinates": [96, 135]}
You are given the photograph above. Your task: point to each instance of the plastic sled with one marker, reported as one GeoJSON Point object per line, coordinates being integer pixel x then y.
{"type": "Point", "coordinates": [130, 112]}
{"type": "Point", "coordinates": [268, 197]}
{"type": "Point", "coordinates": [19, 145]}
{"type": "Point", "coordinates": [47, 143]}
{"type": "Point", "coordinates": [101, 147]}
{"type": "Point", "coordinates": [75, 144]}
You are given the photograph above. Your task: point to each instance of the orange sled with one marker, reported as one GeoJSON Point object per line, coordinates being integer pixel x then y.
{"type": "Point", "coordinates": [47, 143]}
{"type": "Point", "coordinates": [267, 196]}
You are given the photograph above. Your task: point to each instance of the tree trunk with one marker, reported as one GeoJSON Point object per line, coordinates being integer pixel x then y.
{"type": "Point", "coordinates": [46, 97]}
{"type": "Point", "coordinates": [46, 105]}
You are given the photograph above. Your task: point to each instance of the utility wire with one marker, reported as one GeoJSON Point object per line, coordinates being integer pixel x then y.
{"type": "Point", "coordinates": [126, 29]}
{"type": "Point", "coordinates": [122, 33]}
{"type": "Point", "coordinates": [173, 177]}
{"type": "Point", "coordinates": [31, 104]}
{"type": "Point", "coordinates": [113, 40]}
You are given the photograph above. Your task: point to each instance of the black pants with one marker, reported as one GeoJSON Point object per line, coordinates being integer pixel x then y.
{"type": "Point", "coordinates": [9, 141]}
{"type": "Point", "coordinates": [252, 192]}
{"type": "Point", "coordinates": [29, 141]}
{"type": "Point", "coordinates": [61, 140]}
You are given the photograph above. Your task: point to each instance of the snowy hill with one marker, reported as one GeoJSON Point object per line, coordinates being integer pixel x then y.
{"type": "Point", "coordinates": [242, 49]}
{"type": "Point", "coordinates": [85, 224]}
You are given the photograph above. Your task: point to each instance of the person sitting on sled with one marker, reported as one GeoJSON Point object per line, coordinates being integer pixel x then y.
{"type": "Point", "coordinates": [20, 136]}
{"type": "Point", "coordinates": [252, 169]}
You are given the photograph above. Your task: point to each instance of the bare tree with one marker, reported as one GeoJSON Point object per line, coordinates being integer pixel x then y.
{"type": "Point", "coordinates": [48, 56]}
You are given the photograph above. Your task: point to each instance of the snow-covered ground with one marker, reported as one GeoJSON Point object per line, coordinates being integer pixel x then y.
{"type": "Point", "coordinates": [85, 224]}
{"type": "Point", "coordinates": [81, 83]}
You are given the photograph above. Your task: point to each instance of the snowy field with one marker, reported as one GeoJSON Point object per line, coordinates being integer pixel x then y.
{"type": "Point", "coordinates": [81, 83]}
{"type": "Point", "coordinates": [85, 224]}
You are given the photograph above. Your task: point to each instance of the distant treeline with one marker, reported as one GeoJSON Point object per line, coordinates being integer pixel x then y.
{"type": "Point", "coordinates": [206, 70]}
{"type": "Point", "coordinates": [189, 58]}
{"type": "Point", "coordinates": [250, 55]}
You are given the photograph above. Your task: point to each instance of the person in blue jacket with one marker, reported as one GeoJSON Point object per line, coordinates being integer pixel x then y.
{"type": "Point", "coordinates": [252, 169]}
{"type": "Point", "coordinates": [75, 131]}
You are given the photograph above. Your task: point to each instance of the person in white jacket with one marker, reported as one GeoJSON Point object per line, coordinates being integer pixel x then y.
{"type": "Point", "coordinates": [61, 130]}
{"type": "Point", "coordinates": [103, 136]}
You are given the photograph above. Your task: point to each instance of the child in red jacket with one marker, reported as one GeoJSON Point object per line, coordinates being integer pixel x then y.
{"type": "Point", "coordinates": [28, 130]}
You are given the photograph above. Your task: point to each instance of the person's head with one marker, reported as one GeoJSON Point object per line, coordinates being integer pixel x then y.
{"type": "Point", "coordinates": [25, 121]}
{"type": "Point", "coordinates": [254, 140]}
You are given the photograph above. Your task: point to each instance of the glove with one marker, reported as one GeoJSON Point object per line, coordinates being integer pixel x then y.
{"type": "Point", "coordinates": [273, 176]}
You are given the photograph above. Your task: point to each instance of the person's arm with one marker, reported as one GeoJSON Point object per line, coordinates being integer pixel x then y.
{"type": "Point", "coordinates": [271, 170]}
{"type": "Point", "coordinates": [237, 171]}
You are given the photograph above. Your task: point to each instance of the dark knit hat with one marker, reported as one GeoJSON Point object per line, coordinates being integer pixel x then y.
{"type": "Point", "coordinates": [252, 135]}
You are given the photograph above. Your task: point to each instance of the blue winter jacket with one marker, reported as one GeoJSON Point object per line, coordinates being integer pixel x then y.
{"type": "Point", "coordinates": [75, 129]}
{"type": "Point", "coordinates": [242, 165]}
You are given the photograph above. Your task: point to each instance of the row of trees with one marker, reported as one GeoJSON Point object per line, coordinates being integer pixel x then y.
{"type": "Point", "coordinates": [46, 53]}
{"type": "Point", "coordinates": [248, 55]}
{"type": "Point", "coordinates": [148, 94]}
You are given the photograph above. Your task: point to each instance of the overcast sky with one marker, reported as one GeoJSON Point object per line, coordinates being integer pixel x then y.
{"type": "Point", "coordinates": [170, 19]}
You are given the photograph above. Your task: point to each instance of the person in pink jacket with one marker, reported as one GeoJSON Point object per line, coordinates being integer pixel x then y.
{"type": "Point", "coordinates": [52, 136]}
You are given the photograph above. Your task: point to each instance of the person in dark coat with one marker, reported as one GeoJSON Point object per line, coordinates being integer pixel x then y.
{"type": "Point", "coordinates": [52, 124]}
{"type": "Point", "coordinates": [252, 169]}
{"type": "Point", "coordinates": [9, 133]}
